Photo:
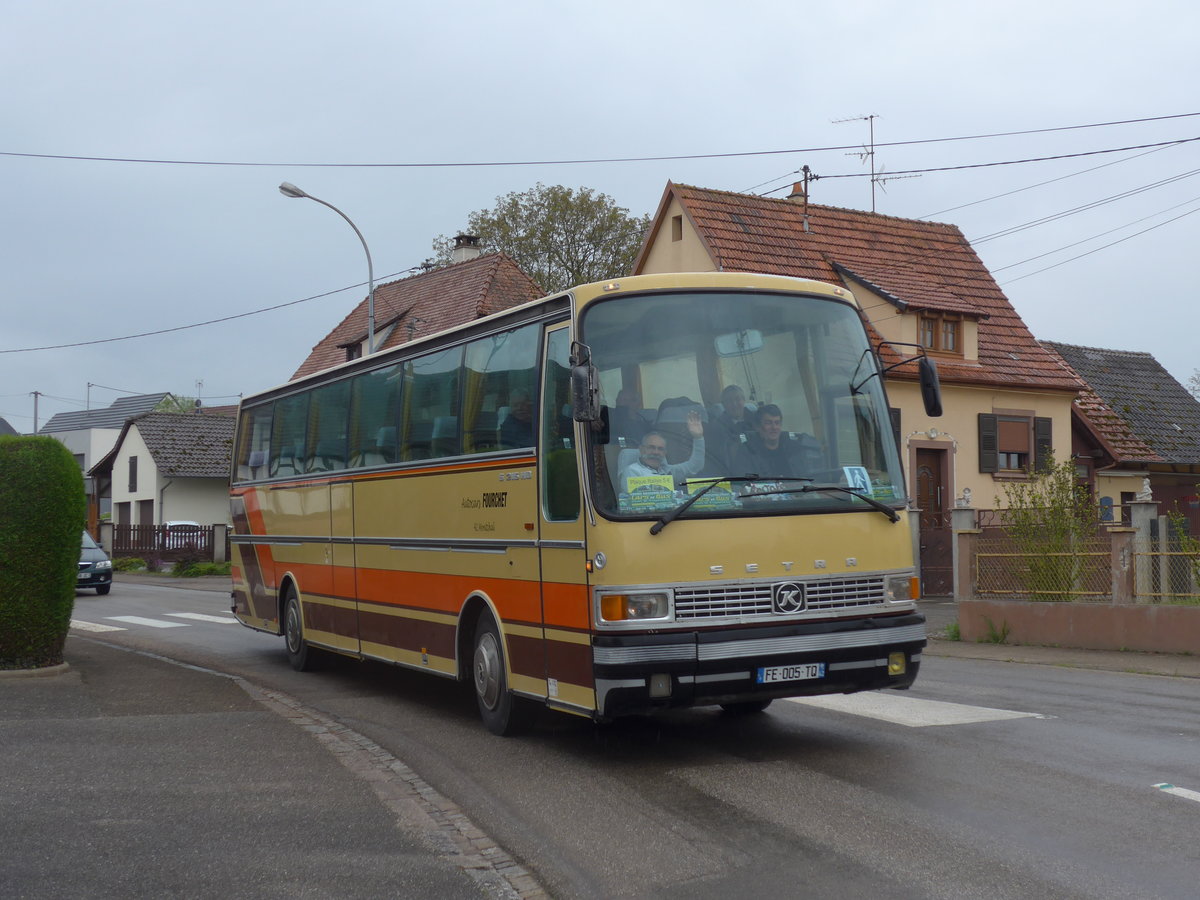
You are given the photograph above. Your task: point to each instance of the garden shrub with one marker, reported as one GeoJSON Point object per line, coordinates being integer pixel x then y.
{"type": "Point", "coordinates": [42, 512]}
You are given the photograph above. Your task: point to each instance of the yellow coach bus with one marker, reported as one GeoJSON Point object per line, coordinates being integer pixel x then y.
{"type": "Point", "coordinates": [661, 491]}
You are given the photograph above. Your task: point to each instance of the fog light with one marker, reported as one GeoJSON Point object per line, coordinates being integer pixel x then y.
{"type": "Point", "coordinates": [897, 664]}
{"type": "Point", "coordinates": [660, 685]}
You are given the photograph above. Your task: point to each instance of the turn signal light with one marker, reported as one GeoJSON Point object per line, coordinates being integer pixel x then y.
{"type": "Point", "coordinates": [897, 663]}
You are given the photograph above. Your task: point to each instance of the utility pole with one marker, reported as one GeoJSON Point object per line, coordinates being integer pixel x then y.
{"type": "Point", "coordinates": [35, 395]}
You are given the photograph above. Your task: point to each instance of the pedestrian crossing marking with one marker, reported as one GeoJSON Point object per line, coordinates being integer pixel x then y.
{"type": "Point", "coordinates": [201, 617]}
{"type": "Point", "coordinates": [80, 625]}
{"type": "Point", "coordinates": [150, 623]}
{"type": "Point", "coordinates": [1178, 791]}
{"type": "Point", "coordinates": [910, 711]}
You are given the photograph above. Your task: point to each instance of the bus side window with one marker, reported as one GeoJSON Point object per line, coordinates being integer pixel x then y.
{"type": "Point", "coordinates": [560, 470]}
{"type": "Point", "coordinates": [290, 423]}
{"type": "Point", "coordinates": [254, 437]}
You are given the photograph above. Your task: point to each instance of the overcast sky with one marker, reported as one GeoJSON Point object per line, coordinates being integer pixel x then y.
{"type": "Point", "coordinates": [95, 250]}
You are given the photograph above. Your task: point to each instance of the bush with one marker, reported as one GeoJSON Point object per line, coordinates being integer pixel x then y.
{"type": "Point", "coordinates": [42, 511]}
{"type": "Point", "coordinates": [128, 564]}
{"type": "Point", "coordinates": [198, 568]}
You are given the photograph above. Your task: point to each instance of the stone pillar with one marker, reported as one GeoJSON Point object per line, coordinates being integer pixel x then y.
{"type": "Point", "coordinates": [218, 548]}
{"type": "Point", "coordinates": [1121, 563]}
{"type": "Point", "coordinates": [106, 537]}
{"type": "Point", "coordinates": [967, 572]}
{"type": "Point", "coordinates": [1141, 514]}
{"type": "Point", "coordinates": [962, 518]}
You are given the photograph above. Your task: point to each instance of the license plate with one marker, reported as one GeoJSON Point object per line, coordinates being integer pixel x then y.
{"type": "Point", "coordinates": [802, 672]}
{"type": "Point", "coordinates": [85, 576]}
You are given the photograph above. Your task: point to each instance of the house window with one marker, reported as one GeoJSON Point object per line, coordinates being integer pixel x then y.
{"type": "Point", "coordinates": [132, 474]}
{"type": "Point", "coordinates": [941, 333]}
{"type": "Point", "coordinates": [677, 228]}
{"type": "Point", "coordinates": [1012, 444]}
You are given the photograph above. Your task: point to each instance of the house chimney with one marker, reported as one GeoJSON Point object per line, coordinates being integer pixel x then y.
{"type": "Point", "coordinates": [466, 246]}
{"type": "Point", "coordinates": [798, 194]}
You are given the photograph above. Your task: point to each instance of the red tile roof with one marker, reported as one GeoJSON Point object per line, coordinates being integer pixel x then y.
{"type": "Point", "coordinates": [918, 265]}
{"type": "Point", "coordinates": [427, 303]}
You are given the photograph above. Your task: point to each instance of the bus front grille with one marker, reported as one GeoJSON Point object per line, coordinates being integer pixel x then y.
{"type": "Point", "coordinates": [725, 601]}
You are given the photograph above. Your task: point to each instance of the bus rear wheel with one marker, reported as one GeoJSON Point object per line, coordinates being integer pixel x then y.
{"type": "Point", "coordinates": [502, 713]}
{"type": "Point", "coordinates": [300, 655]}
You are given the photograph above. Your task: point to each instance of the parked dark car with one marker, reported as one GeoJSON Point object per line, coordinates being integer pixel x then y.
{"type": "Point", "coordinates": [95, 568]}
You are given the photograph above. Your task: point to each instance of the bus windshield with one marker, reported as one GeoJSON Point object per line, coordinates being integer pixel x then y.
{"type": "Point", "coordinates": [766, 402]}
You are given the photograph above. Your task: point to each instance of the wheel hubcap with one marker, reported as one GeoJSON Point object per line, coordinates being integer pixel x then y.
{"type": "Point", "coordinates": [293, 628]}
{"type": "Point", "coordinates": [487, 670]}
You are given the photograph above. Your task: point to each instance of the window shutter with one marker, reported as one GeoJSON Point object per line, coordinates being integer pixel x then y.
{"type": "Point", "coordinates": [989, 448]}
{"type": "Point", "coordinates": [894, 413]}
{"type": "Point", "coordinates": [1043, 445]}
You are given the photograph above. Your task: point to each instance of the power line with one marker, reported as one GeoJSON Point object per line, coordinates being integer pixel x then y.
{"type": "Point", "coordinates": [592, 161]}
{"type": "Point", "coordinates": [255, 312]}
{"type": "Point", "coordinates": [1016, 162]}
{"type": "Point", "coordinates": [1104, 247]}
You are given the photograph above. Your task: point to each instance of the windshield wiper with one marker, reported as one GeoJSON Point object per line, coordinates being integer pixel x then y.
{"type": "Point", "coordinates": [673, 514]}
{"type": "Point", "coordinates": [810, 488]}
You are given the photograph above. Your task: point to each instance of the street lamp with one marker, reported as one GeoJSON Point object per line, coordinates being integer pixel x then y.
{"type": "Point", "coordinates": [290, 190]}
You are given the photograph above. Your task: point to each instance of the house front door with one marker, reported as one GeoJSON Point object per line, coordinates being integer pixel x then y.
{"type": "Point", "coordinates": [937, 564]}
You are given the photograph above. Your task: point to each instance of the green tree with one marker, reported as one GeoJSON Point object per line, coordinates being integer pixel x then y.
{"type": "Point", "coordinates": [559, 236]}
{"type": "Point", "coordinates": [42, 511]}
{"type": "Point", "coordinates": [1046, 518]}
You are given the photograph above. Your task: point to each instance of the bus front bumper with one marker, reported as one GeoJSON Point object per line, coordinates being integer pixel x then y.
{"type": "Point", "coordinates": [636, 673]}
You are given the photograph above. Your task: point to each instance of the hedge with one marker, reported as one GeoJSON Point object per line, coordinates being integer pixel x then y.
{"type": "Point", "coordinates": [42, 513]}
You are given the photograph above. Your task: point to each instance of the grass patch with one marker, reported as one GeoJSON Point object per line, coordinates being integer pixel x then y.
{"type": "Point", "coordinates": [995, 635]}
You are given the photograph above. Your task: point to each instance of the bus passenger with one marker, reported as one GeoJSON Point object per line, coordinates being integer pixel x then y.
{"type": "Point", "coordinates": [517, 429]}
{"type": "Point", "coordinates": [732, 426]}
{"type": "Point", "coordinates": [772, 454]}
{"type": "Point", "coordinates": [652, 455]}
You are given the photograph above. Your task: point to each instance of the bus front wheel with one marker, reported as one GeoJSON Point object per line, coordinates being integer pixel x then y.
{"type": "Point", "coordinates": [502, 713]}
{"type": "Point", "coordinates": [300, 655]}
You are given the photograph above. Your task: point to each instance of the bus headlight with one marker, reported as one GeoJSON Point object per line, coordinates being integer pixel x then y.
{"type": "Point", "coordinates": [624, 607]}
{"type": "Point", "coordinates": [902, 588]}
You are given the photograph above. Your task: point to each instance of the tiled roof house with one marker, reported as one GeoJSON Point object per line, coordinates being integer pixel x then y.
{"type": "Point", "coordinates": [1007, 399]}
{"type": "Point", "coordinates": [169, 467]}
{"type": "Point", "coordinates": [423, 304]}
{"type": "Point", "coordinates": [1145, 424]}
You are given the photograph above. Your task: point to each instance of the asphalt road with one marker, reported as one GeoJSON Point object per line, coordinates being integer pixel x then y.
{"type": "Point", "coordinates": [989, 779]}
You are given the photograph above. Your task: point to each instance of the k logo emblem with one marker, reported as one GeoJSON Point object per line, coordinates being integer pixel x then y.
{"type": "Point", "coordinates": [787, 597]}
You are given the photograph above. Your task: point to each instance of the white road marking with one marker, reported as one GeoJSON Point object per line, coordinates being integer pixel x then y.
{"type": "Point", "coordinates": [201, 617]}
{"type": "Point", "coordinates": [152, 623]}
{"type": "Point", "coordinates": [910, 711]}
{"type": "Point", "coordinates": [1179, 792]}
{"type": "Point", "coordinates": [80, 625]}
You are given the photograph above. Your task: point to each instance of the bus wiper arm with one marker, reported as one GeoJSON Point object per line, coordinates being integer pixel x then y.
{"type": "Point", "coordinates": [673, 514]}
{"type": "Point", "coordinates": [810, 488]}
{"type": "Point", "coordinates": [867, 498]}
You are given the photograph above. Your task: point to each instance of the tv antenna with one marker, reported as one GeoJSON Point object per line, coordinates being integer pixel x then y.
{"type": "Point", "coordinates": [867, 155]}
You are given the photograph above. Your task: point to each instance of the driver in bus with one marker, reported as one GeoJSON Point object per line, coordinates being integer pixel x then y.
{"type": "Point", "coordinates": [771, 453]}
{"type": "Point", "coordinates": [652, 455]}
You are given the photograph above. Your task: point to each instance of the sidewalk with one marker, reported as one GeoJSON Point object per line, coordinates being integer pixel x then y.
{"type": "Point", "coordinates": [160, 579]}
{"type": "Point", "coordinates": [129, 775]}
{"type": "Point", "coordinates": [941, 613]}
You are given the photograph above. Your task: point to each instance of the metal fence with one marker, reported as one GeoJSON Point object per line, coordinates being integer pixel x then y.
{"type": "Point", "coordinates": [1116, 565]}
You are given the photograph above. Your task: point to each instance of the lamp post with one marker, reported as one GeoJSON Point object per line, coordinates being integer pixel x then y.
{"type": "Point", "coordinates": [290, 190]}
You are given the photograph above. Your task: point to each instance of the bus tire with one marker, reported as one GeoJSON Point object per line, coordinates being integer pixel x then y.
{"type": "Point", "coordinates": [502, 713]}
{"type": "Point", "coordinates": [745, 708]}
{"type": "Point", "coordinates": [300, 655]}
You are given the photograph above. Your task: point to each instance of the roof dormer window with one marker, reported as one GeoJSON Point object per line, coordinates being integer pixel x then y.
{"type": "Point", "coordinates": [941, 333]}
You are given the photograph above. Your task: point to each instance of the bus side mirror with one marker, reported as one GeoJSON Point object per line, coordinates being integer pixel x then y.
{"type": "Point", "coordinates": [585, 393]}
{"type": "Point", "coordinates": [931, 386]}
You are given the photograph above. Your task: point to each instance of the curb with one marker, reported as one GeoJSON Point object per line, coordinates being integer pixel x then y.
{"type": "Point", "coordinates": [43, 672]}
